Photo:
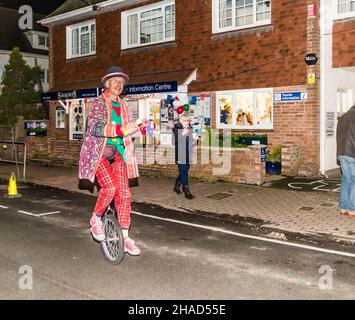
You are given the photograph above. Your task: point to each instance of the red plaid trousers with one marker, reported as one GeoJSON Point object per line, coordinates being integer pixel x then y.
{"type": "Point", "coordinates": [113, 180]}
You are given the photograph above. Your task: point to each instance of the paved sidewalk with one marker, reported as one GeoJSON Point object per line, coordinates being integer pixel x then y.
{"type": "Point", "coordinates": [308, 213]}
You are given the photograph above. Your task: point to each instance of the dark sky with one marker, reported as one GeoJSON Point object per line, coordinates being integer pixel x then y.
{"type": "Point", "coordinates": [38, 6]}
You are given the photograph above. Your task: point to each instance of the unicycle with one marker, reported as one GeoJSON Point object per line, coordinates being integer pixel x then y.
{"type": "Point", "coordinates": [113, 245]}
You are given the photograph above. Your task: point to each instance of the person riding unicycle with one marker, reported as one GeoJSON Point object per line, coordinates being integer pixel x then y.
{"type": "Point", "coordinates": [108, 154]}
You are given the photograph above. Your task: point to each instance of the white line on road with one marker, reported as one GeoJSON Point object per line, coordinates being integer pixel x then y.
{"type": "Point", "coordinates": [340, 253]}
{"type": "Point", "coordinates": [37, 214]}
{"type": "Point", "coordinates": [47, 213]}
{"type": "Point", "coordinates": [4, 207]}
{"type": "Point", "coordinates": [28, 213]}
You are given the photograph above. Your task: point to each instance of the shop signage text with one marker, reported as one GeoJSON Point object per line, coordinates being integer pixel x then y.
{"type": "Point", "coordinates": [157, 87]}
{"type": "Point", "coordinates": [35, 128]}
{"type": "Point", "coordinates": [311, 59]}
{"type": "Point", "coordinates": [290, 96]}
{"type": "Point", "coordinates": [75, 94]}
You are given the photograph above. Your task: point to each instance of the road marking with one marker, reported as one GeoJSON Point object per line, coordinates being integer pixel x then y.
{"type": "Point", "coordinates": [47, 213]}
{"type": "Point", "coordinates": [4, 207]}
{"type": "Point", "coordinates": [340, 253]}
{"type": "Point", "coordinates": [28, 213]}
{"type": "Point", "coordinates": [37, 214]}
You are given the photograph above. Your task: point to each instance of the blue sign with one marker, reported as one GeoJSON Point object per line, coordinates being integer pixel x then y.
{"type": "Point", "coordinates": [74, 94]}
{"type": "Point", "coordinates": [290, 96]}
{"type": "Point", "coordinates": [36, 128]}
{"type": "Point", "coordinates": [263, 154]}
{"type": "Point", "coordinates": [156, 87]}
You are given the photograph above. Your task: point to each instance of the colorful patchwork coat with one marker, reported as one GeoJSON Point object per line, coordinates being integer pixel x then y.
{"type": "Point", "coordinates": [98, 129]}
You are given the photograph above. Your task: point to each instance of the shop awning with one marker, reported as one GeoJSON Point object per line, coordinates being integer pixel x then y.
{"type": "Point", "coordinates": [162, 81]}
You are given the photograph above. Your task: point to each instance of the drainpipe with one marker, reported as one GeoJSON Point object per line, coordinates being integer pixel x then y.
{"type": "Point", "coordinates": [322, 86]}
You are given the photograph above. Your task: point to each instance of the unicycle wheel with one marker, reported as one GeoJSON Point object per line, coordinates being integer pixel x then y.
{"type": "Point", "coordinates": [113, 246]}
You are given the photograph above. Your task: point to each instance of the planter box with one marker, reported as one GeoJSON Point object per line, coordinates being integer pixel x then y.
{"type": "Point", "coordinates": [273, 167]}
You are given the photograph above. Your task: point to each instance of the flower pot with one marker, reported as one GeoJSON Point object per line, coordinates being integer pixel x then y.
{"type": "Point", "coordinates": [273, 167]}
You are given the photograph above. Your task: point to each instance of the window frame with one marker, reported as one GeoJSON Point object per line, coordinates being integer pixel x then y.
{"type": "Point", "coordinates": [139, 11]}
{"type": "Point", "coordinates": [69, 39]}
{"type": "Point", "coordinates": [45, 41]}
{"type": "Point", "coordinates": [61, 111]}
{"type": "Point", "coordinates": [234, 125]}
{"type": "Point", "coordinates": [344, 15]}
{"type": "Point", "coordinates": [215, 18]}
{"type": "Point", "coordinates": [45, 73]}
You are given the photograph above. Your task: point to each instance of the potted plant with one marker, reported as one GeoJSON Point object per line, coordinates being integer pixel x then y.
{"type": "Point", "coordinates": [273, 160]}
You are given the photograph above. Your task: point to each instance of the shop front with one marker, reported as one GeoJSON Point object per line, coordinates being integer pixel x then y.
{"type": "Point", "coordinates": [155, 103]}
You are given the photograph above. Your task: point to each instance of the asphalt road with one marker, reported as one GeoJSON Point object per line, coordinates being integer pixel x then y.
{"type": "Point", "coordinates": [190, 261]}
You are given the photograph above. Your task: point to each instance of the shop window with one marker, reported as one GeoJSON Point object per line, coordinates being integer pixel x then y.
{"type": "Point", "coordinates": [60, 118]}
{"type": "Point", "coordinates": [149, 24]}
{"type": "Point", "coordinates": [247, 109]}
{"type": "Point", "coordinates": [78, 112]}
{"type": "Point", "coordinates": [225, 109]}
{"type": "Point", "coordinates": [231, 15]}
{"type": "Point", "coordinates": [81, 39]}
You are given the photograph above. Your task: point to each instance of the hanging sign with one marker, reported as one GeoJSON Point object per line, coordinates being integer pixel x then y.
{"type": "Point", "coordinates": [312, 10]}
{"type": "Point", "coordinates": [311, 59]}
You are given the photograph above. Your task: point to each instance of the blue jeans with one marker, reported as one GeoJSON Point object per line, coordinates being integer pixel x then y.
{"type": "Point", "coordinates": [347, 190]}
{"type": "Point", "coordinates": [184, 173]}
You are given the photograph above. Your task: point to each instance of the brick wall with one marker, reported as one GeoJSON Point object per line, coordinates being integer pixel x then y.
{"type": "Point", "coordinates": [232, 165]}
{"type": "Point", "coordinates": [210, 164]}
{"type": "Point", "coordinates": [290, 159]}
{"type": "Point", "coordinates": [53, 152]}
{"type": "Point", "coordinates": [344, 43]}
{"type": "Point", "coordinates": [270, 56]}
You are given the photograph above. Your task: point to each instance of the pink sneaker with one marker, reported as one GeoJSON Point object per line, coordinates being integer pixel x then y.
{"type": "Point", "coordinates": [130, 247]}
{"type": "Point", "coordinates": [96, 228]}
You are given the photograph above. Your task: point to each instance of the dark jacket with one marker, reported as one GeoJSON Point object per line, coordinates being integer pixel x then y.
{"type": "Point", "coordinates": [346, 134]}
{"type": "Point", "coordinates": [183, 145]}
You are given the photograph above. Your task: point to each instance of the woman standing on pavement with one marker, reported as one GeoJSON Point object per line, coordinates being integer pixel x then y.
{"type": "Point", "coordinates": [183, 154]}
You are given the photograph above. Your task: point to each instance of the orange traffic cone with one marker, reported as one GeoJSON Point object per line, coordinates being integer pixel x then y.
{"type": "Point", "coordinates": [12, 189]}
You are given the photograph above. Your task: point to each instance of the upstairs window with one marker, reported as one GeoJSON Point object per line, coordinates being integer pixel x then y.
{"type": "Point", "coordinates": [43, 41]}
{"type": "Point", "coordinates": [229, 15]}
{"type": "Point", "coordinates": [81, 39]}
{"type": "Point", "coordinates": [148, 25]}
{"type": "Point", "coordinates": [346, 6]}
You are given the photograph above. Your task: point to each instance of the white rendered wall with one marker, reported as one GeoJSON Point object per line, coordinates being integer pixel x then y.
{"type": "Point", "coordinates": [332, 79]}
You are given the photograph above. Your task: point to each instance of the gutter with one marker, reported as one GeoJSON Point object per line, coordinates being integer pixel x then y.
{"type": "Point", "coordinates": [103, 6]}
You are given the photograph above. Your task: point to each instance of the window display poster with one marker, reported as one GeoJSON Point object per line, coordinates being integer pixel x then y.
{"type": "Point", "coordinates": [164, 108]}
{"type": "Point", "coordinates": [200, 112]}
